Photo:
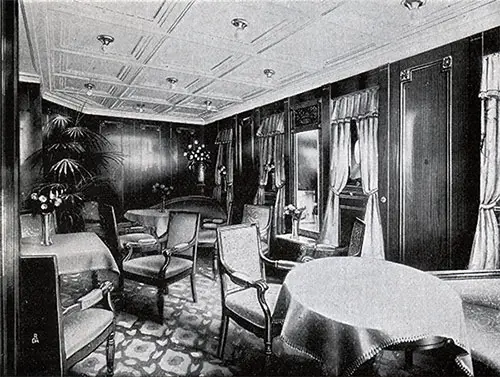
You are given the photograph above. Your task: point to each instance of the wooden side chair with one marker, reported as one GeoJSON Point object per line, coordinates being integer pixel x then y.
{"type": "Point", "coordinates": [176, 260]}
{"type": "Point", "coordinates": [262, 216]}
{"type": "Point", "coordinates": [54, 338]}
{"type": "Point", "coordinates": [314, 251]}
{"type": "Point", "coordinates": [120, 244]}
{"type": "Point", "coordinates": [208, 236]}
{"type": "Point", "coordinates": [247, 298]}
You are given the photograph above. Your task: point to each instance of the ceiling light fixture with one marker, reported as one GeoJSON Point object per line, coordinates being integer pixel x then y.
{"type": "Point", "coordinates": [240, 24]}
{"type": "Point", "coordinates": [90, 88]}
{"type": "Point", "coordinates": [208, 105]}
{"type": "Point", "coordinates": [140, 107]}
{"type": "Point", "coordinates": [172, 81]}
{"type": "Point", "coordinates": [269, 73]}
{"type": "Point", "coordinates": [413, 4]}
{"type": "Point", "coordinates": [105, 40]}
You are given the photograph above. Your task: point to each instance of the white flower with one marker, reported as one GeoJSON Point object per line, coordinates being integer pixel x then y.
{"type": "Point", "coordinates": [44, 206]}
{"type": "Point", "coordinates": [42, 198]}
{"type": "Point", "coordinates": [34, 196]}
{"type": "Point", "coordinates": [58, 202]}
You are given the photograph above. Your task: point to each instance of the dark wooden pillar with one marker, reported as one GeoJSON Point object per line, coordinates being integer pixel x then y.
{"type": "Point", "coordinates": [9, 205]}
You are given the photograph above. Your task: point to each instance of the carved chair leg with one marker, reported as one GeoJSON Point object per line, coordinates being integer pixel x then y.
{"type": "Point", "coordinates": [215, 264]}
{"type": "Point", "coordinates": [222, 336]}
{"type": "Point", "coordinates": [160, 301]}
{"type": "Point", "coordinates": [110, 354]}
{"type": "Point", "coordinates": [193, 287]}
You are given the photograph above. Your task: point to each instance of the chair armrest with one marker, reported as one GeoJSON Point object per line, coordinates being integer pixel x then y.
{"type": "Point", "coordinates": [278, 263]}
{"type": "Point", "coordinates": [177, 249]}
{"type": "Point", "coordinates": [92, 298]}
{"type": "Point", "coordinates": [244, 280]}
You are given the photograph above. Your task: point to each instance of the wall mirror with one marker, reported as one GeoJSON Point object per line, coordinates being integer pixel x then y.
{"type": "Point", "coordinates": [306, 147]}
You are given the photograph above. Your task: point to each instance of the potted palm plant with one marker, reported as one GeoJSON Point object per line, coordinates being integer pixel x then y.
{"type": "Point", "coordinates": [72, 160]}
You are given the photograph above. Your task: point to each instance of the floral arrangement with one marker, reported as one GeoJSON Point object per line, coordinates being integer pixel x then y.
{"type": "Point", "coordinates": [197, 153]}
{"type": "Point", "coordinates": [294, 212]}
{"type": "Point", "coordinates": [45, 202]}
{"type": "Point", "coordinates": [222, 170]}
{"type": "Point", "coordinates": [162, 189]}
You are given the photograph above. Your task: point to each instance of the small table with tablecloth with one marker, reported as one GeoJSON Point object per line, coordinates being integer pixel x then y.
{"type": "Point", "coordinates": [75, 252]}
{"type": "Point", "coordinates": [149, 217]}
{"type": "Point", "coordinates": [342, 311]}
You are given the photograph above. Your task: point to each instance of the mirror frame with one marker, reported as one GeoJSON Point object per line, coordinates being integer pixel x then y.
{"type": "Point", "coordinates": [306, 116]}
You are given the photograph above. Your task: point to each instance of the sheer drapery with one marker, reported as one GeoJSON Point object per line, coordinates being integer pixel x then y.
{"type": "Point", "coordinates": [486, 240]}
{"type": "Point", "coordinates": [339, 172]}
{"type": "Point", "coordinates": [363, 107]}
{"type": "Point", "coordinates": [225, 141]}
{"type": "Point", "coordinates": [270, 127]}
{"type": "Point", "coordinates": [373, 241]}
{"type": "Point", "coordinates": [279, 183]}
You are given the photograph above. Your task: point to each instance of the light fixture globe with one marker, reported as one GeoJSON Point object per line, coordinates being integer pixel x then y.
{"type": "Point", "coordinates": [105, 40]}
{"type": "Point", "coordinates": [172, 81]}
{"type": "Point", "coordinates": [208, 105]}
{"type": "Point", "coordinates": [413, 4]}
{"type": "Point", "coordinates": [90, 88]}
{"type": "Point", "coordinates": [269, 72]}
{"type": "Point", "coordinates": [239, 23]}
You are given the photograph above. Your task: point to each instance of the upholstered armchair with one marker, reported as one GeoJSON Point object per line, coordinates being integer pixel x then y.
{"type": "Point", "coordinates": [317, 250]}
{"type": "Point", "coordinates": [176, 260]}
{"type": "Point", "coordinates": [262, 216]}
{"type": "Point", "coordinates": [119, 244]}
{"type": "Point", "coordinates": [247, 298]}
{"type": "Point", "coordinates": [53, 337]}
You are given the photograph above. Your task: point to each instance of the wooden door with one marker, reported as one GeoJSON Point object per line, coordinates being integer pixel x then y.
{"type": "Point", "coordinates": [425, 163]}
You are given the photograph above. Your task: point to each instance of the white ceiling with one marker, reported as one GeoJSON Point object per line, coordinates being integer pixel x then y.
{"type": "Point", "coordinates": [307, 43]}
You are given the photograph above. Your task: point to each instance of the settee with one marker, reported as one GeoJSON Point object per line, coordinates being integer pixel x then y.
{"type": "Point", "coordinates": [212, 214]}
{"type": "Point", "coordinates": [480, 292]}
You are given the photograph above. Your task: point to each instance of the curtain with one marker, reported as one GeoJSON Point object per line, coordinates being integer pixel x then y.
{"type": "Point", "coordinates": [339, 172]}
{"type": "Point", "coordinates": [373, 241]}
{"type": "Point", "coordinates": [269, 128]}
{"type": "Point", "coordinates": [484, 253]}
{"type": "Point", "coordinates": [279, 183]}
{"type": "Point", "coordinates": [363, 107]}
{"type": "Point", "coordinates": [225, 141]}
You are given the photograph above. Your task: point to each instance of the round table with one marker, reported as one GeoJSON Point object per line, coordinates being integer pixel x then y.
{"type": "Point", "coordinates": [342, 311]}
{"type": "Point", "coordinates": [149, 217]}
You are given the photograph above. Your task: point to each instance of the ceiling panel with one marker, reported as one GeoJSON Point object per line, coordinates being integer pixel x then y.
{"type": "Point", "coordinates": [308, 43]}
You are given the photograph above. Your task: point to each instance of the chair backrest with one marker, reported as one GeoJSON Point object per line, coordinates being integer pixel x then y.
{"type": "Point", "coordinates": [239, 250]}
{"type": "Point", "coordinates": [31, 226]}
{"type": "Point", "coordinates": [260, 215]}
{"type": "Point", "coordinates": [356, 241]}
{"type": "Point", "coordinates": [109, 224]}
{"type": "Point", "coordinates": [183, 227]}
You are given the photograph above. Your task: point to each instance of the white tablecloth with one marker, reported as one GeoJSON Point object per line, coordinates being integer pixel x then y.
{"type": "Point", "coordinates": [149, 217]}
{"type": "Point", "coordinates": [342, 311]}
{"type": "Point", "coordinates": [75, 252]}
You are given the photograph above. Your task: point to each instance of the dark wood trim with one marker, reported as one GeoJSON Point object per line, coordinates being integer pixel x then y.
{"type": "Point", "coordinates": [466, 274]}
{"type": "Point", "coordinates": [9, 216]}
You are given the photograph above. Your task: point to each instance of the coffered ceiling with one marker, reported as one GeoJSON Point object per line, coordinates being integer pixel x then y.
{"type": "Point", "coordinates": [307, 44]}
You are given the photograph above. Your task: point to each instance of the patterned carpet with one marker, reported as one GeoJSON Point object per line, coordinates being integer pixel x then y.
{"type": "Point", "coordinates": [186, 343]}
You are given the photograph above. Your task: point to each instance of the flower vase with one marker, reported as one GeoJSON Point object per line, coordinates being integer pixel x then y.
{"type": "Point", "coordinates": [46, 236]}
{"type": "Point", "coordinates": [295, 228]}
{"type": "Point", "coordinates": [201, 173]}
{"type": "Point", "coordinates": [163, 203]}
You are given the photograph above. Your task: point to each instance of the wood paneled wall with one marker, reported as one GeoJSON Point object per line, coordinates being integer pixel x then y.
{"type": "Point", "coordinates": [429, 135]}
